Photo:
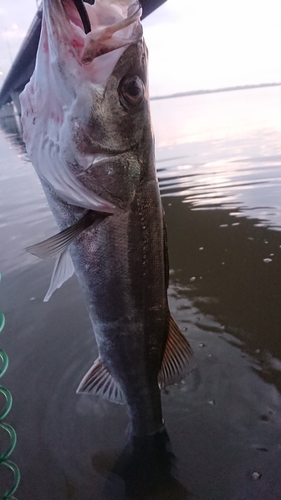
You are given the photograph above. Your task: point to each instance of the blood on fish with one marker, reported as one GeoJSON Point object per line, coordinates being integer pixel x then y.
{"type": "Point", "coordinates": [77, 43]}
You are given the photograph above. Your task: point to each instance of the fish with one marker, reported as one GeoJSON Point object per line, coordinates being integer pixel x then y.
{"type": "Point", "coordinates": [88, 133]}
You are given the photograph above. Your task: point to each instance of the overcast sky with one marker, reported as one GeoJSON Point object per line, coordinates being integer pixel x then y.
{"type": "Point", "coordinates": [193, 44]}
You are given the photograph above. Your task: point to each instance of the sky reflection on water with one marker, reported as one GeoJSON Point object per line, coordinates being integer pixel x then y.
{"type": "Point", "coordinates": [222, 150]}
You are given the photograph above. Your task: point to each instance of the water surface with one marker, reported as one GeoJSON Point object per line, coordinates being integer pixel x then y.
{"type": "Point", "coordinates": [219, 168]}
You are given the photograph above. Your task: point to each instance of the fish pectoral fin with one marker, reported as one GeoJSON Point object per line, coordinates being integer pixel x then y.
{"type": "Point", "coordinates": [63, 270]}
{"type": "Point", "coordinates": [99, 381]}
{"type": "Point", "coordinates": [178, 359]}
{"type": "Point", "coordinates": [55, 246]}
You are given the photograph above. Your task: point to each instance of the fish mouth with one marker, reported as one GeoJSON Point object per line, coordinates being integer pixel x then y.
{"type": "Point", "coordinates": [101, 27]}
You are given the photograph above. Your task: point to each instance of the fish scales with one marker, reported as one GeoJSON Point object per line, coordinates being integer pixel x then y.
{"type": "Point", "coordinates": [97, 167]}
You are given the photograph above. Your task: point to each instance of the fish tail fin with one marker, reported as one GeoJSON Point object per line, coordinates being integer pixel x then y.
{"type": "Point", "coordinates": [178, 359]}
{"type": "Point", "coordinates": [99, 381]}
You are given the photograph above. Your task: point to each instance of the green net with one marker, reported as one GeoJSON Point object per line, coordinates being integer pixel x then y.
{"type": "Point", "coordinates": [4, 456]}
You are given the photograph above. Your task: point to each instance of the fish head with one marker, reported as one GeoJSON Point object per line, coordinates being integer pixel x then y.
{"type": "Point", "coordinates": [85, 110]}
{"type": "Point", "coordinates": [116, 134]}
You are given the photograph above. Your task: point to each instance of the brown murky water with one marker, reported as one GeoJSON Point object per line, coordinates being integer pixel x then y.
{"type": "Point", "coordinates": [219, 166]}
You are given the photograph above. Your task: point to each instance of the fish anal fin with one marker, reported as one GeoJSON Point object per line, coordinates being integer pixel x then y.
{"type": "Point", "coordinates": [99, 381]}
{"type": "Point", "coordinates": [178, 359]}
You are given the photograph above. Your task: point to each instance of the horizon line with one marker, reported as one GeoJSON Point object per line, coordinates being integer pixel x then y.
{"type": "Point", "coordinates": [212, 91]}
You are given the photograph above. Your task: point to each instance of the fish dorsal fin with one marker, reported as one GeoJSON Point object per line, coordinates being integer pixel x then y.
{"type": "Point", "coordinates": [99, 381]}
{"type": "Point", "coordinates": [63, 270]}
{"type": "Point", "coordinates": [54, 246]}
{"type": "Point", "coordinates": [178, 359]}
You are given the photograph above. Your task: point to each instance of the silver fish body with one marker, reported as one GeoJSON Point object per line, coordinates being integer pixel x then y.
{"type": "Point", "coordinates": [121, 262]}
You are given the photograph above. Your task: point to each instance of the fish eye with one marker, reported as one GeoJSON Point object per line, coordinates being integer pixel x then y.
{"type": "Point", "coordinates": [131, 91]}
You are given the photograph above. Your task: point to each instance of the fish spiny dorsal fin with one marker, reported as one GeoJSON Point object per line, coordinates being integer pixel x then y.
{"type": "Point", "coordinates": [99, 381]}
{"type": "Point", "coordinates": [178, 359]}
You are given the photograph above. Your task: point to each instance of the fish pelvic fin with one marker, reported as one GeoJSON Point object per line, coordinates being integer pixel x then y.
{"type": "Point", "coordinates": [55, 246]}
{"type": "Point", "coordinates": [99, 381]}
{"type": "Point", "coordinates": [178, 359]}
{"type": "Point", "coordinates": [63, 270]}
